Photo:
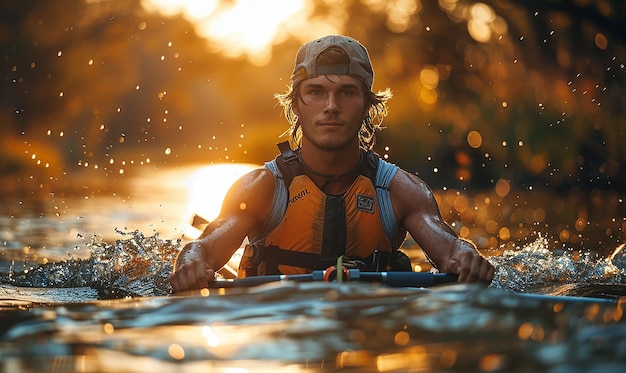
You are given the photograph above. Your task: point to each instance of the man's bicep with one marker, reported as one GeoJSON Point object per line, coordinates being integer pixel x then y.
{"type": "Point", "coordinates": [413, 201]}
{"type": "Point", "coordinates": [421, 217]}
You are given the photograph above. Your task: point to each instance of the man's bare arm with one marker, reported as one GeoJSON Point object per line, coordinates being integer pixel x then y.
{"type": "Point", "coordinates": [417, 210]}
{"type": "Point", "coordinates": [244, 210]}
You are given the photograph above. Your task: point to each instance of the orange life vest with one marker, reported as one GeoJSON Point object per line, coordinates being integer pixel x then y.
{"type": "Point", "coordinates": [309, 229]}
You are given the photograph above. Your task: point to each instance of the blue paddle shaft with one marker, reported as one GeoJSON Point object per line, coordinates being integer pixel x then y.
{"type": "Point", "coordinates": [392, 279]}
{"type": "Point", "coordinates": [416, 279]}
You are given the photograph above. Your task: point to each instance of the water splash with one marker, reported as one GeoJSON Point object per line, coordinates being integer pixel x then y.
{"type": "Point", "coordinates": [140, 266]}
{"type": "Point", "coordinates": [535, 264]}
{"type": "Point", "coordinates": [136, 266]}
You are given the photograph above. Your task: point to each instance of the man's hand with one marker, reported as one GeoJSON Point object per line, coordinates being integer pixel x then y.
{"type": "Point", "coordinates": [191, 270]}
{"type": "Point", "coordinates": [470, 265]}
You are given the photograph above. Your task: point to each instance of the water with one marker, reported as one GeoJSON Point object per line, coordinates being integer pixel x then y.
{"type": "Point", "coordinates": [84, 288]}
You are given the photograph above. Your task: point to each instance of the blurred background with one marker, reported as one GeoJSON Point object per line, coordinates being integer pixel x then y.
{"type": "Point", "coordinates": [513, 111]}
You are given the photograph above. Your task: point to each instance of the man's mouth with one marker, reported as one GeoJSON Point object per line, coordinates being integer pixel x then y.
{"type": "Point", "coordinates": [330, 123]}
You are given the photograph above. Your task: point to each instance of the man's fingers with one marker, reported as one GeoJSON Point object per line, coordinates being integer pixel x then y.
{"type": "Point", "coordinates": [464, 265]}
{"type": "Point", "coordinates": [476, 268]}
{"type": "Point", "coordinates": [473, 267]}
{"type": "Point", "coordinates": [491, 271]}
{"type": "Point", "coordinates": [192, 276]}
{"type": "Point", "coordinates": [485, 271]}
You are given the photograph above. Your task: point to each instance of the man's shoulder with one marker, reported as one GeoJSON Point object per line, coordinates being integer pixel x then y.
{"type": "Point", "coordinates": [256, 180]}
{"type": "Point", "coordinates": [255, 173]}
{"type": "Point", "coordinates": [405, 181]}
{"type": "Point", "coordinates": [264, 173]}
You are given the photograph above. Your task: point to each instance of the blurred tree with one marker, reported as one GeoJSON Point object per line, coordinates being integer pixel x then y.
{"type": "Point", "coordinates": [528, 91]}
{"type": "Point", "coordinates": [106, 85]}
{"type": "Point", "coordinates": [540, 81]}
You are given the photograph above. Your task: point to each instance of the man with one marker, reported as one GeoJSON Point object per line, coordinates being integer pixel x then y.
{"type": "Point", "coordinates": [331, 196]}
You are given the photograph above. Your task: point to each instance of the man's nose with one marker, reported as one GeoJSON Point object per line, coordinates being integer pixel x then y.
{"type": "Point", "coordinates": [331, 103]}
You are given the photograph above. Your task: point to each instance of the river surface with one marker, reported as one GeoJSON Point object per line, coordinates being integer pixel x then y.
{"type": "Point", "coordinates": [84, 288]}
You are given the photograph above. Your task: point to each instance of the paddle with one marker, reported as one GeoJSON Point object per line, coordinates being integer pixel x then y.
{"type": "Point", "coordinates": [392, 279]}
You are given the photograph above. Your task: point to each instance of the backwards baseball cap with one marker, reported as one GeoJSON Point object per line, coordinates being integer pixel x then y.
{"type": "Point", "coordinates": [359, 66]}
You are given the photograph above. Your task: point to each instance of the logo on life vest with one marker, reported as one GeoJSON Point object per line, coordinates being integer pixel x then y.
{"type": "Point", "coordinates": [364, 203]}
{"type": "Point", "coordinates": [299, 196]}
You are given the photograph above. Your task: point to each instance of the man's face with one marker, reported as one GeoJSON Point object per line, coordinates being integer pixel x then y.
{"type": "Point", "coordinates": [331, 110]}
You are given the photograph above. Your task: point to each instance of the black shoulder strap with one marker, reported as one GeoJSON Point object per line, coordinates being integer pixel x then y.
{"type": "Point", "coordinates": [287, 163]}
{"type": "Point", "coordinates": [369, 166]}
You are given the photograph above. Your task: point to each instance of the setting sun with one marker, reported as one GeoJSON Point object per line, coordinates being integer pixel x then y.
{"type": "Point", "coordinates": [240, 27]}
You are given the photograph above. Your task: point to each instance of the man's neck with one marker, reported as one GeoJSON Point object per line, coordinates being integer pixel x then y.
{"type": "Point", "coordinates": [338, 167]}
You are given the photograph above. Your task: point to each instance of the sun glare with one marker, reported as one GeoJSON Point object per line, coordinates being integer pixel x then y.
{"type": "Point", "coordinates": [238, 27]}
